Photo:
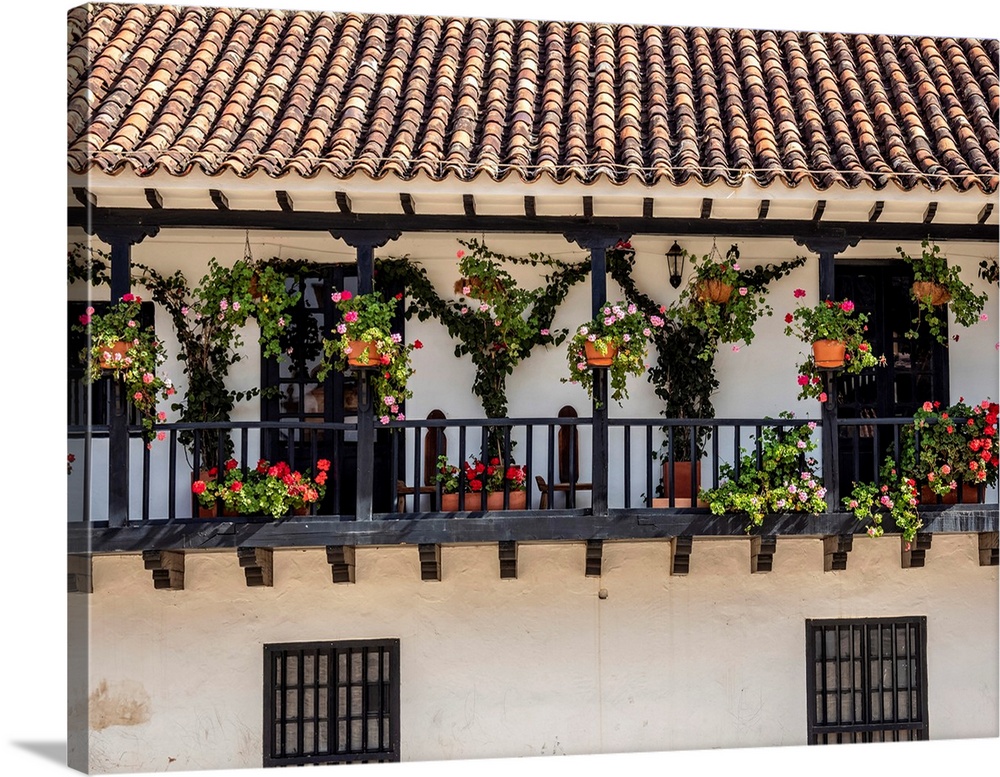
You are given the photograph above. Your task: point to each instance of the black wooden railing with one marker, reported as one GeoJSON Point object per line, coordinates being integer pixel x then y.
{"type": "Point", "coordinates": [644, 458]}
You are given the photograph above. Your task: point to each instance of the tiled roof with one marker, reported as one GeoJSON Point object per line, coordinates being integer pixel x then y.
{"type": "Point", "coordinates": [215, 89]}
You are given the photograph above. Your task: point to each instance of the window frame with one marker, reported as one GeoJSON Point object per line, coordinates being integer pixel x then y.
{"type": "Point", "coordinates": [866, 730]}
{"type": "Point", "coordinates": [389, 696]}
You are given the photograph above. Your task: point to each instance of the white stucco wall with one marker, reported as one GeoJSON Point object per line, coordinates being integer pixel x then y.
{"type": "Point", "coordinates": [540, 665]}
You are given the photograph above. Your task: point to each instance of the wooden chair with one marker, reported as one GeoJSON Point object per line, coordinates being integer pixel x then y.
{"type": "Point", "coordinates": [569, 463]}
{"type": "Point", "coordinates": [429, 468]}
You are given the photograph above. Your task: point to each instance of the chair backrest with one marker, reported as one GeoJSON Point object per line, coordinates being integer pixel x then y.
{"type": "Point", "coordinates": [431, 450]}
{"type": "Point", "coordinates": [569, 448]}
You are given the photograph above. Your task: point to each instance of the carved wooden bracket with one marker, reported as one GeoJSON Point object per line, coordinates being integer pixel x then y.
{"type": "Point", "coordinates": [430, 562]}
{"type": "Point", "coordinates": [80, 573]}
{"type": "Point", "coordinates": [762, 553]}
{"type": "Point", "coordinates": [835, 550]}
{"type": "Point", "coordinates": [595, 551]}
{"type": "Point", "coordinates": [167, 567]}
{"type": "Point", "coordinates": [507, 550]}
{"type": "Point", "coordinates": [989, 548]}
{"type": "Point", "coordinates": [341, 561]}
{"type": "Point", "coordinates": [912, 553]}
{"type": "Point", "coordinates": [258, 565]}
{"type": "Point", "coordinates": [680, 555]}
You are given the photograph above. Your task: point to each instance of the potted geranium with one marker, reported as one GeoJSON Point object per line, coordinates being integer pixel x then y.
{"type": "Point", "coordinates": [951, 446]}
{"type": "Point", "coordinates": [835, 330]}
{"type": "Point", "coordinates": [936, 285]}
{"type": "Point", "coordinates": [615, 340]}
{"type": "Point", "coordinates": [121, 347]}
{"type": "Point", "coordinates": [721, 301]}
{"type": "Point", "coordinates": [782, 479]}
{"type": "Point", "coordinates": [895, 496]}
{"type": "Point", "coordinates": [271, 489]}
{"type": "Point", "coordinates": [475, 477]}
{"type": "Point", "coordinates": [365, 340]}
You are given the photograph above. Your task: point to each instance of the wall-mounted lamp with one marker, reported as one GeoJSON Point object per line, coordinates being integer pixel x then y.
{"type": "Point", "coordinates": [675, 264]}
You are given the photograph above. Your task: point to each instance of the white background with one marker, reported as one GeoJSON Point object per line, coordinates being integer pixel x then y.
{"type": "Point", "coordinates": [32, 569]}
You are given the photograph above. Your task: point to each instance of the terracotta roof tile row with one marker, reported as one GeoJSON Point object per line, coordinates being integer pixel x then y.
{"type": "Point", "coordinates": [217, 89]}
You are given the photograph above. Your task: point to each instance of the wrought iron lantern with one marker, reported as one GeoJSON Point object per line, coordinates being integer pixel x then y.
{"type": "Point", "coordinates": [675, 264]}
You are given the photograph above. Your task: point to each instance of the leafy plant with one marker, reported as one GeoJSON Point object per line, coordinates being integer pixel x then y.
{"type": "Point", "coordinates": [954, 444]}
{"type": "Point", "coordinates": [271, 489]}
{"type": "Point", "coordinates": [208, 320]}
{"type": "Point", "coordinates": [779, 478]}
{"type": "Point", "coordinates": [895, 497]}
{"type": "Point", "coordinates": [620, 331]}
{"type": "Point", "coordinates": [829, 320]}
{"type": "Point", "coordinates": [88, 264]}
{"type": "Point", "coordinates": [730, 321]}
{"type": "Point", "coordinates": [989, 270]}
{"type": "Point", "coordinates": [966, 306]}
{"type": "Point", "coordinates": [367, 318]}
{"type": "Point", "coordinates": [500, 329]}
{"type": "Point", "coordinates": [119, 345]}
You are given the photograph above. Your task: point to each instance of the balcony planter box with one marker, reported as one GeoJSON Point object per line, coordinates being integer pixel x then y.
{"type": "Point", "coordinates": [494, 501]}
{"type": "Point", "coordinates": [970, 496]}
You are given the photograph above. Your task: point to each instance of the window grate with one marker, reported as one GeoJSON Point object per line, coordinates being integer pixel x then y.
{"type": "Point", "coordinates": [867, 680]}
{"type": "Point", "coordinates": [331, 702]}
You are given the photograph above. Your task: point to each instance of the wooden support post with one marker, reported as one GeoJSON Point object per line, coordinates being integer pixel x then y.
{"type": "Point", "coordinates": [680, 555]}
{"type": "Point", "coordinates": [167, 567]}
{"type": "Point", "coordinates": [341, 561]}
{"type": "Point", "coordinates": [989, 548]}
{"type": "Point", "coordinates": [835, 550]}
{"type": "Point", "coordinates": [912, 553]}
{"type": "Point", "coordinates": [762, 553]}
{"type": "Point", "coordinates": [595, 551]}
{"type": "Point", "coordinates": [430, 562]}
{"type": "Point", "coordinates": [258, 565]}
{"type": "Point", "coordinates": [80, 573]}
{"type": "Point", "coordinates": [507, 551]}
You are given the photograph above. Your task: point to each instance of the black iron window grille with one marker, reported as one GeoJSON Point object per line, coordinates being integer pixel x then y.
{"type": "Point", "coordinates": [867, 680]}
{"type": "Point", "coordinates": [331, 702]}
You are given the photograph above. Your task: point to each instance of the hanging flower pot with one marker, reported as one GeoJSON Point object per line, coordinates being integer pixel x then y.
{"type": "Point", "coordinates": [935, 292]}
{"type": "Point", "coordinates": [364, 353]}
{"type": "Point", "coordinates": [713, 290]}
{"type": "Point", "coordinates": [829, 354]}
{"type": "Point", "coordinates": [113, 356]}
{"type": "Point", "coordinates": [597, 359]}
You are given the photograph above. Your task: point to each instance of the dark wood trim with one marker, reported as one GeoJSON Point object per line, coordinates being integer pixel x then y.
{"type": "Point", "coordinates": [85, 197]}
{"type": "Point", "coordinates": [985, 213]}
{"type": "Point", "coordinates": [835, 550]}
{"type": "Point", "coordinates": [647, 207]}
{"type": "Point", "coordinates": [876, 212]}
{"type": "Point", "coordinates": [989, 549]}
{"type": "Point", "coordinates": [819, 210]}
{"type": "Point", "coordinates": [588, 207]}
{"type": "Point", "coordinates": [219, 199]}
{"type": "Point", "coordinates": [258, 565]}
{"type": "Point", "coordinates": [765, 206]}
{"type": "Point", "coordinates": [912, 555]}
{"type": "Point", "coordinates": [930, 212]}
{"type": "Point", "coordinates": [153, 198]}
{"type": "Point", "coordinates": [706, 209]}
{"type": "Point", "coordinates": [469, 205]}
{"type": "Point", "coordinates": [318, 221]}
{"type": "Point", "coordinates": [343, 202]}
{"type": "Point", "coordinates": [529, 206]}
{"type": "Point", "coordinates": [594, 558]}
{"type": "Point", "coordinates": [680, 554]}
{"type": "Point", "coordinates": [406, 203]}
{"type": "Point", "coordinates": [762, 553]}
{"type": "Point", "coordinates": [485, 527]}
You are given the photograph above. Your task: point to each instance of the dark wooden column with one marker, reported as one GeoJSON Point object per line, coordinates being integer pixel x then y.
{"type": "Point", "coordinates": [598, 242]}
{"type": "Point", "coordinates": [828, 246]}
{"type": "Point", "coordinates": [365, 241]}
{"type": "Point", "coordinates": [121, 239]}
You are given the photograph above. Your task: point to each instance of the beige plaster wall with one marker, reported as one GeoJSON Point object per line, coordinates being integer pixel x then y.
{"type": "Point", "coordinates": [539, 665]}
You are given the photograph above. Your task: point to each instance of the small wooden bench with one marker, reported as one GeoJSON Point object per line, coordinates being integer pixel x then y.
{"type": "Point", "coordinates": [569, 464]}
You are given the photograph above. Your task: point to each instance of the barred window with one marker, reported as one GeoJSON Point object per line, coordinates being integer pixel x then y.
{"type": "Point", "coordinates": [867, 680]}
{"type": "Point", "coordinates": [331, 702]}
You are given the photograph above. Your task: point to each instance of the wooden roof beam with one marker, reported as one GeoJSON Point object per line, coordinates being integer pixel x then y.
{"type": "Point", "coordinates": [706, 208]}
{"type": "Point", "coordinates": [406, 203]}
{"type": "Point", "coordinates": [985, 213]}
{"type": "Point", "coordinates": [765, 206]}
{"type": "Point", "coordinates": [835, 550]}
{"type": "Point", "coordinates": [167, 567]}
{"type": "Point", "coordinates": [430, 562]}
{"type": "Point", "coordinates": [876, 211]}
{"type": "Point", "coordinates": [258, 565]}
{"type": "Point", "coordinates": [529, 206]}
{"type": "Point", "coordinates": [284, 201]}
{"type": "Point", "coordinates": [647, 207]}
{"type": "Point", "coordinates": [930, 213]}
{"type": "Point", "coordinates": [819, 210]}
{"type": "Point", "coordinates": [469, 205]}
{"type": "Point", "coordinates": [595, 553]}
{"type": "Point", "coordinates": [154, 199]}
{"type": "Point", "coordinates": [341, 561]}
{"type": "Point", "coordinates": [343, 202]}
{"type": "Point", "coordinates": [85, 197]}
{"type": "Point", "coordinates": [507, 552]}
{"type": "Point", "coordinates": [219, 199]}
{"type": "Point", "coordinates": [680, 555]}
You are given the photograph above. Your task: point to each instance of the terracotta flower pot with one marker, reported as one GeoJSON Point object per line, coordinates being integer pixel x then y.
{"type": "Point", "coordinates": [357, 358]}
{"type": "Point", "coordinates": [682, 485]}
{"type": "Point", "coordinates": [970, 496]}
{"type": "Point", "coordinates": [714, 291]}
{"type": "Point", "coordinates": [829, 354]}
{"type": "Point", "coordinates": [494, 501]}
{"type": "Point", "coordinates": [597, 359]}
{"type": "Point", "coordinates": [112, 356]}
{"type": "Point", "coordinates": [937, 293]}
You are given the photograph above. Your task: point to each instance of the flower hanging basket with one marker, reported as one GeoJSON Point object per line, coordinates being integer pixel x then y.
{"type": "Point", "coordinates": [829, 354]}
{"type": "Point", "coordinates": [113, 356]}
{"type": "Point", "coordinates": [715, 291]}
{"type": "Point", "coordinates": [937, 293]}
{"type": "Point", "coordinates": [597, 359]}
{"type": "Point", "coordinates": [363, 354]}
